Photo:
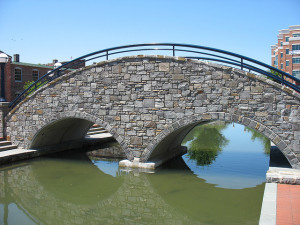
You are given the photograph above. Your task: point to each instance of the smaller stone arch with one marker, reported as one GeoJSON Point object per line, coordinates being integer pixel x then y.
{"type": "Point", "coordinates": [180, 128]}
{"type": "Point", "coordinates": [67, 121]}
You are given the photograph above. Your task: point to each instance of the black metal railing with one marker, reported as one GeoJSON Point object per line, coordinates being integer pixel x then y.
{"type": "Point", "coordinates": [195, 51]}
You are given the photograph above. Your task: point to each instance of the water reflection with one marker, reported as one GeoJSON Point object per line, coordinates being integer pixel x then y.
{"type": "Point", "coordinates": [49, 191]}
{"type": "Point", "coordinates": [257, 136]}
{"type": "Point", "coordinates": [230, 156]}
{"type": "Point", "coordinates": [223, 185]}
{"type": "Point", "coordinates": [205, 142]}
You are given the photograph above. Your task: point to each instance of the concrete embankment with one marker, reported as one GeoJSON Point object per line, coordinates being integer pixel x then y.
{"type": "Point", "coordinates": [18, 154]}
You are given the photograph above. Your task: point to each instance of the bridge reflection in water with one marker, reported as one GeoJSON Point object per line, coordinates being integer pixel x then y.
{"type": "Point", "coordinates": [79, 189]}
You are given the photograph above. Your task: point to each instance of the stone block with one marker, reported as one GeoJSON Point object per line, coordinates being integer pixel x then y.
{"type": "Point", "coordinates": [136, 140]}
{"type": "Point", "coordinates": [117, 69]}
{"type": "Point", "coordinates": [245, 95]}
{"type": "Point", "coordinates": [256, 89]}
{"type": "Point", "coordinates": [164, 67]}
{"type": "Point", "coordinates": [148, 103]}
{"type": "Point", "coordinates": [261, 114]}
{"type": "Point", "coordinates": [268, 98]}
{"type": "Point", "coordinates": [149, 66]}
{"type": "Point", "coordinates": [177, 76]}
{"type": "Point", "coordinates": [136, 78]}
{"type": "Point", "coordinates": [196, 79]}
{"type": "Point", "coordinates": [125, 118]}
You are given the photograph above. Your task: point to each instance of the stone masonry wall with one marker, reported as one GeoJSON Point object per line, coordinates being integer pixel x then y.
{"type": "Point", "coordinates": [142, 99]}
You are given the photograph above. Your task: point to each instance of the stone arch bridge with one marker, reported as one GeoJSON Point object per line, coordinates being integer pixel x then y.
{"type": "Point", "coordinates": [149, 103]}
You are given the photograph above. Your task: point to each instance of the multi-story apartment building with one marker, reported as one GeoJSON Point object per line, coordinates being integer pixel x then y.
{"type": "Point", "coordinates": [286, 53]}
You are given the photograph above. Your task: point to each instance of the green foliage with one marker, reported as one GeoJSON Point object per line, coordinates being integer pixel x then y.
{"type": "Point", "coordinates": [274, 73]}
{"type": "Point", "coordinates": [265, 141]}
{"type": "Point", "coordinates": [205, 142]}
{"type": "Point", "coordinates": [33, 88]}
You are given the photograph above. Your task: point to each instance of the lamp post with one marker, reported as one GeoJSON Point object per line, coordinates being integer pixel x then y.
{"type": "Point", "coordinates": [56, 65]}
{"type": "Point", "coordinates": [3, 61]}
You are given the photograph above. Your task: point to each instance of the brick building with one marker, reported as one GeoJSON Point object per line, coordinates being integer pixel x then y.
{"type": "Point", "coordinates": [18, 73]}
{"type": "Point", "coordinates": [286, 53]}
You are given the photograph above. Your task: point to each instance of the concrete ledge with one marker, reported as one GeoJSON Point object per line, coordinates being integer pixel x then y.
{"type": "Point", "coordinates": [268, 208]}
{"type": "Point", "coordinates": [283, 175]}
{"type": "Point", "coordinates": [23, 154]}
{"type": "Point", "coordinates": [137, 164]}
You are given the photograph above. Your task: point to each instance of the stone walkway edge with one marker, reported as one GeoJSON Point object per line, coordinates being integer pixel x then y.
{"type": "Point", "coordinates": [268, 209]}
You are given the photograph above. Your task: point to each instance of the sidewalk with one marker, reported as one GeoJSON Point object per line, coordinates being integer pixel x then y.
{"type": "Point", "coordinates": [281, 205]}
{"type": "Point", "coordinates": [288, 204]}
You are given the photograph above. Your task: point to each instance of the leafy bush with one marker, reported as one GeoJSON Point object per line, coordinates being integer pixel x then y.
{"type": "Point", "coordinates": [33, 88]}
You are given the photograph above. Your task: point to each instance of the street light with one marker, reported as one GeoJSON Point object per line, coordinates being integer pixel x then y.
{"type": "Point", "coordinates": [3, 61]}
{"type": "Point", "coordinates": [56, 65]}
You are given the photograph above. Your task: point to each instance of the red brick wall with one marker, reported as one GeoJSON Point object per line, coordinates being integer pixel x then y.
{"type": "Point", "coordinates": [12, 87]}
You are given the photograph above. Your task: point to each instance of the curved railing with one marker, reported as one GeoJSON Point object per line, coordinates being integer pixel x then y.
{"type": "Point", "coordinates": [195, 51]}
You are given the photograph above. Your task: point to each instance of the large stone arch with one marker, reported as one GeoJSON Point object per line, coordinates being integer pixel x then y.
{"type": "Point", "coordinates": [174, 134]}
{"type": "Point", "coordinates": [80, 118]}
{"type": "Point", "coordinates": [138, 97]}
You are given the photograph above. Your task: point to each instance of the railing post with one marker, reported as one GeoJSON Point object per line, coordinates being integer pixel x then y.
{"type": "Point", "coordinates": [282, 78]}
{"type": "Point", "coordinates": [106, 55]}
{"type": "Point", "coordinates": [242, 66]}
{"type": "Point", "coordinates": [173, 50]}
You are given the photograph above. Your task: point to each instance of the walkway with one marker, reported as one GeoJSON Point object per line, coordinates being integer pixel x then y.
{"type": "Point", "coordinates": [288, 204]}
{"type": "Point", "coordinates": [281, 205]}
{"type": "Point", "coordinates": [17, 154]}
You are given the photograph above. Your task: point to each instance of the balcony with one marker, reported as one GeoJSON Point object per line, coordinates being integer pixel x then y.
{"type": "Point", "coordinates": [295, 52]}
{"type": "Point", "coordinates": [294, 38]}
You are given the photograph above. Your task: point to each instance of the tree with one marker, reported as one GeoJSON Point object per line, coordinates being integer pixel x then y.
{"type": "Point", "coordinates": [205, 142]}
{"type": "Point", "coordinates": [257, 136]}
{"type": "Point", "coordinates": [279, 75]}
{"type": "Point", "coordinates": [33, 88]}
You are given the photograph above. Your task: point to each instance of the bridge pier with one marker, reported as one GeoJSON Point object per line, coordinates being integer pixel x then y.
{"type": "Point", "coordinates": [156, 162]}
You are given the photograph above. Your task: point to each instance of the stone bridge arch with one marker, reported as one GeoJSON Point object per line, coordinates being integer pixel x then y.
{"type": "Point", "coordinates": [65, 127]}
{"type": "Point", "coordinates": [170, 138]}
{"type": "Point", "coordinates": [139, 99]}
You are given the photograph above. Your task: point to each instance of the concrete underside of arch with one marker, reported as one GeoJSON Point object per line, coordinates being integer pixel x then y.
{"type": "Point", "coordinates": [61, 131]}
{"type": "Point", "coordinates": [147, 102]}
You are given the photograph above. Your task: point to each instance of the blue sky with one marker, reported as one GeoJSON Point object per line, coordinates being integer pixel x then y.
{"type": "Point", "coordinates": [42, 30]}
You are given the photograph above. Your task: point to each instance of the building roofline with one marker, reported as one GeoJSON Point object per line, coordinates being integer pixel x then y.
{"type": "Point", "coordinates": [284, 31]}
{"type": "Point", "coordinates": [294, 27]}
{"type": "Point", "coordinates": [31, 64]}
{"type": "Point", "coordinates": [5, 53]}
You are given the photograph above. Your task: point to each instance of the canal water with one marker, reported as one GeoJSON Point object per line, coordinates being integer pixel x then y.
{"type": "Point", "coordinates": [219, 181]}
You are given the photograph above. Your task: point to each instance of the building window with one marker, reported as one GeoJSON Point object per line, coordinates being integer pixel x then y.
{"type": "Point", "coordinates": [296, 35]}
{"type": "Point", "coordinates": [274, 53]}
{"type": "Point", "coordinates": [35, 75]}
{"type": "Point", "coordinates": [296, 47]}
{"type": "Point", "coordinates": [276, 60]}
{"type": "Point", "coordinates": [281, 43]}
{"type": "Point", "coordinates": [287, 39]}
{"type": "Point", "coordinates": [281, 55]}
{"type": "Point", "coordinates": [296, 60]}
{"type": "Point", "coordinates": [281, 66]}
{"type": "Point", "coordinates": [18, 74]}
{"type": "Point", "coordinates": [287, 51]}
{"type": "Point", "coordinates": [287, 63]}
{"type": "Point", "coordinates": [296, 73]}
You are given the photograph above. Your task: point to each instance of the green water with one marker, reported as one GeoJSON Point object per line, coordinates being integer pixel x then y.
{"type": "Point", "coordinates": [81, 190]}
